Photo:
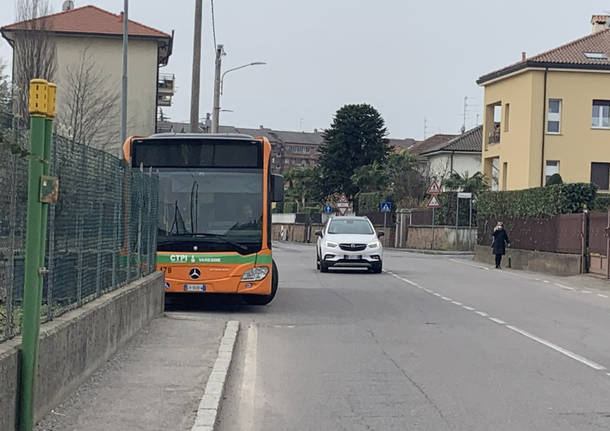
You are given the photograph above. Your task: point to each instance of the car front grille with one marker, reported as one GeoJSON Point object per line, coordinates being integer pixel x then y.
{"type": "Point", "coordinates": [352, 247]}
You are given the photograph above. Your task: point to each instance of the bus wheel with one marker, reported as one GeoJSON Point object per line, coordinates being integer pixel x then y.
{"type": "Point", "coordinates": [266, 299]}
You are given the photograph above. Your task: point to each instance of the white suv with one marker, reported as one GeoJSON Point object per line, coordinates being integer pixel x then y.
{"type": "Point", "coordinates": [349, 242]}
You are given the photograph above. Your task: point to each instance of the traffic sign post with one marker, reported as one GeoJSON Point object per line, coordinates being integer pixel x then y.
{"type": "Point", "coordinates": [385, 208]}
{"type": "Point", "coordinates": [434, 190]}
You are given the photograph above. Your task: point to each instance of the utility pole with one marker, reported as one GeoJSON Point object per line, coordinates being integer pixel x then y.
{"type": "Point", "coordinates": [196, 68]}
{"type": "Point", "coordinates": [216, 112]}
{"type": "Point", "coordinates": [465, 109]}
{"type": "Point", "coordinates": [124, 89]}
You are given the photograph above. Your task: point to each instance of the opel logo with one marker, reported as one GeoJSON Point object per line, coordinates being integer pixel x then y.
{"type": "Point", "coordinates": [353, 245]}
{"type": "Point", "coordinates": [194, 274]}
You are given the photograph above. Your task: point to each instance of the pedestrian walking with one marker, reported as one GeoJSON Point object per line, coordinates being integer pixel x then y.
{"type": "Point", "coordinates": [500, 242]}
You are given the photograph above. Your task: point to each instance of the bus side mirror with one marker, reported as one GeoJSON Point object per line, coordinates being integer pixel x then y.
{"type": "Point", "coordinates": [277, 188]}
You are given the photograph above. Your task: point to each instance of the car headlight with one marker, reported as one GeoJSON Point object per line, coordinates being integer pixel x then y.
{"type": "Point", "coordinates": [374, 244]}
{"type": "Point", "coordinates": [331, 244]}
{"type": "Point", "coordinates": [255, 274]}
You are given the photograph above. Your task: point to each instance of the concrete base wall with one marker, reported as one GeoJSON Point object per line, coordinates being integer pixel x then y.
{"type": "Point", "coordinates": [74, 345]}
{"type": "Point", "coordinates": [441, 238]}
{"type": "Point", "coordinates": [537, 261]}
{"type": "Point", "coordinates": [298, 232]}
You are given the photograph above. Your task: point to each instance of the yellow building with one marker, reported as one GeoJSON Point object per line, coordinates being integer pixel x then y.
{"type": "Point", "coordinates": [550, 114]}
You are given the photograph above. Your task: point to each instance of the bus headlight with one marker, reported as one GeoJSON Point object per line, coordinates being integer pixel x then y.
{"type": "Point", "coordinates": [255, 274]}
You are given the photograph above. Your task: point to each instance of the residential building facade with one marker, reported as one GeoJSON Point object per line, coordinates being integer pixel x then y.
{"type": "Point", "coordinates": [91, 37]}
{"type": "Point", "coordinates": [550, 114]}
{"type": "Point", "coordinates": [460, 155]}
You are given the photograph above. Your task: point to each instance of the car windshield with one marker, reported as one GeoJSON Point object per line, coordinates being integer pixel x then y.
{"type": "Point", "coordinates": [214, 209]}
{"type": "Point", "coordinates": [350, 226]}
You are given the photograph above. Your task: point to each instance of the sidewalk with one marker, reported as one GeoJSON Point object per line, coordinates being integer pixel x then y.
{"type": "Point", "coordinates": [154, 383]}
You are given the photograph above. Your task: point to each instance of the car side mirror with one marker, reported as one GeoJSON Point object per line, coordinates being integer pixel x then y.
{"type": "Point", "coordinates": [277, 188]}
{"type": "Point", "coordinates": [318, 233]}
{"type": "Point", "coordinates": [380, 234]}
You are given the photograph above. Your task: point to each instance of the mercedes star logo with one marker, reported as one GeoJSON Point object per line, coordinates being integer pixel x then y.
{"type": "Point", "coordinates": [194, 273]}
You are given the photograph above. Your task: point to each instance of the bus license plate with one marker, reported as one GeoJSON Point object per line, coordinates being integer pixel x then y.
{"type": "Point", "coordinates": [349, 257]}
{"type": "Point", "coordinates": [194, 287]}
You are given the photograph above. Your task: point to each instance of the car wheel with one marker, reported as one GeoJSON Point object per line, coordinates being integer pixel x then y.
{"type": "Point", "coordinates": [377, 268]}
{"type": "Point", "coordinates": [324, 266]}
{"type": "Point", "coordinates": [266, 299]}
{"type": "Point", "coordinates": [317, 261]}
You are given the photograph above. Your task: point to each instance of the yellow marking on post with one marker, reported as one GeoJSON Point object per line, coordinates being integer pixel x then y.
{"type": "Point", "coordinates": [51, 100]}
{"type": "Point", "coordinates": [39, 94]}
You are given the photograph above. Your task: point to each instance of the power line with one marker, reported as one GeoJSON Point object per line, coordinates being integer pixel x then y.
{"type": "Point", "coordinates": [213, 24]}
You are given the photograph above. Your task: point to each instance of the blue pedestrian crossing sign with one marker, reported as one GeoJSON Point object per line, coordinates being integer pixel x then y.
{"type": "Point", "coordinates": [328, 209]}
{"type": "Point", "coordinates": [386, 207]}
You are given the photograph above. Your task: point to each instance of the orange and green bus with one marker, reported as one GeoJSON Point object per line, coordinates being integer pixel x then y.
{"type": "Point", "coordinates": [214, 223]}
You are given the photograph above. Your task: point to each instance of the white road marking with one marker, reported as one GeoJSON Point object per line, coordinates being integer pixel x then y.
{"type": "Point", "coordinates": [545, 281]}
{"type": "Point", "coordinates": [559, 349]}
{"type": "Point", "coordinates": [585, 291]}
{"type": "Point", "coordinates": [470, 264]}
{"type": "Point", "coordinates": [601, 295]}
{"type": "Point", "coordinates": [457, 303]}
{"type": "Point", "coordinates": [215, 387]}
{"type": "Point", "coordinates": [565, 352]}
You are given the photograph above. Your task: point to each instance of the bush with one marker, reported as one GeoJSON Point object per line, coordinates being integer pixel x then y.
{"type": "Point", "coordinates": [536, 202]}
{"type": "Point", "coordinates": [601, 203]}
{"type": "Point", "coordinates": [369, 202]}
{"type": "Point", "coordinates": [445, 214]}
{"type": "Point", "coordinates": [554, 180]}
{"type": "Point", "coordinates": [290, 207]}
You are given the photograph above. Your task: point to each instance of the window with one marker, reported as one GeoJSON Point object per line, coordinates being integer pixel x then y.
{"type": "Point", "coordinates": [601, 114]}
{"type": "Point", "coordinates": [600, 175]}
{"type": "Point", "coordinates": [552, 167]}
{"type": "Point", "coordinates": [554, 116]}
{"type": "Point", "coordinates": [596, 55]}
{"type": "Point", "coordinates": [506, 114]}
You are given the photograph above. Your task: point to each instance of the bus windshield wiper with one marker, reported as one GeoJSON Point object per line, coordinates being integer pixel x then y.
{"type": "Point", "coordinates": [215, 235]}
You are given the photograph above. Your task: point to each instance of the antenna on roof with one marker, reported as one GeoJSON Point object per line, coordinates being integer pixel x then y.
{"type": "Point", "coordinates": [68, 5]}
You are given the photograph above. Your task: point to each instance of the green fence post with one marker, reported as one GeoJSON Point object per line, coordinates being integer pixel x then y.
{"type": "Point", "coordinates": [38, 107]}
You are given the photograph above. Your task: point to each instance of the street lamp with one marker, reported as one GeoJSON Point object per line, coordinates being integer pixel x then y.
{"type": "Point", "coordinates": [254, 63]}
{"type": "Point", "coordinates": [218, 85]}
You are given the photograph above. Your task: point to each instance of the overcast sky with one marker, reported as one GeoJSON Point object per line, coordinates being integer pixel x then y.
{"type": "Point", "coordinates": [410, 59]}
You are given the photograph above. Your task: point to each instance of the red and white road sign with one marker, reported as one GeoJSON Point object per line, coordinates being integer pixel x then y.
{"type": "Point", "coordinates": [342, 205]}
{"type": "Point", "coordinates": [434, 189]}
{"type": "Point", "coordinates": [434, 202]}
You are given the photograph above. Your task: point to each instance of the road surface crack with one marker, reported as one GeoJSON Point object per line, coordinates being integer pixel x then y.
{"type": "Point", "coordinates": [410, 379]}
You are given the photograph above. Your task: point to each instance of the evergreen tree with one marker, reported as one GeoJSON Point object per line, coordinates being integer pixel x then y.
{"type": "Point", "coordinates": [356, 138]}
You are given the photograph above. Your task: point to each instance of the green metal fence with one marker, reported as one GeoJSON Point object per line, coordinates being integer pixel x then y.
{"type": "Point", "coordinates": [101, 231]}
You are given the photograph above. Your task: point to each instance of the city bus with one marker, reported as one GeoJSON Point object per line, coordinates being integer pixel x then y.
{"type": "Point", "coordinates": [214, 222]}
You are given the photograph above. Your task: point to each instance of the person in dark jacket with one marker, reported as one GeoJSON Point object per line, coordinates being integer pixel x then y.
{"type": "Point", "coordinates": [499, 243]}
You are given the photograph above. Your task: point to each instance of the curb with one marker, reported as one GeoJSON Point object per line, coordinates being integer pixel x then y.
{"type": "Point", "coordinates": [215, 387]}
{"type": "Point", "coordinates": [433, 252]}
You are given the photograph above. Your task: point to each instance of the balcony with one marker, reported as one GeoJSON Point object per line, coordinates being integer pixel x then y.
{"type": "Point", "coordinates": [493, 137]}
{"type": "Point", "coordinates": [165, 89]}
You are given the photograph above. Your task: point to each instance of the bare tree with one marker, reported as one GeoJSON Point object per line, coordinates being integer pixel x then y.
{"type": "Point", "coordinates": [34, 51]}
{"type": "Point", "coordinates": [88, 113]}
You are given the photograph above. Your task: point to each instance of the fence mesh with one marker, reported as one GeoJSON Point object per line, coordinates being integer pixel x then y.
{"type": "Point", "coordinates": [101, 233]}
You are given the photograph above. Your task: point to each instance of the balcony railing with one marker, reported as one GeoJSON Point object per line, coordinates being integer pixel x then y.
{"type": "Point", "coordinates": [494, 135]}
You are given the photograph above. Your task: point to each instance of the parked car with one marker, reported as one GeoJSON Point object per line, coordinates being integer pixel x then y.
{"type": "Point", "coordinates": [349, 241]}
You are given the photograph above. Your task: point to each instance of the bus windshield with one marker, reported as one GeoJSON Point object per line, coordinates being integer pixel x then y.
{"type": "Point", "coordinates": [210, 209]}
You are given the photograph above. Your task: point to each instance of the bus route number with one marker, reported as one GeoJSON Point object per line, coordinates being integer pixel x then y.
{"type": "Point", "coordinates": [166, 269]}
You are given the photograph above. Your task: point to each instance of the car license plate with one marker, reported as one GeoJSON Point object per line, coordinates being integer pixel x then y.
{"type": "Point", "coordinates": [194, 287]}
{"type": "Point", "coordinates": [350, 257]}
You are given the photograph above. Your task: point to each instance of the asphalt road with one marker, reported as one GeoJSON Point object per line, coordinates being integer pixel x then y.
{"type": "Point", "coordinates": [434, 343]}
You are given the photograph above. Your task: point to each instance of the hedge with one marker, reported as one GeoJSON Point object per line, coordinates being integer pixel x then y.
{"type": "Point", "coordinates": [290, 207]}
{"type": "Point", "coordinates": [369, 202]}
{"type": "Point", "coordinates": [601, 203]}
{"type": "Point", "coordinates": [536, 202]}
{"type": "Point", "coordinates": [445, 214]}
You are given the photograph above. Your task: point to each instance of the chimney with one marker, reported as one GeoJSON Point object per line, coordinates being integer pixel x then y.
{"type": "Point", "coordinates": [600, 23]}
{"type": "Point", "coordinates": [523, 56]}
{"type": "Point", "coordinates": [67, 5]}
